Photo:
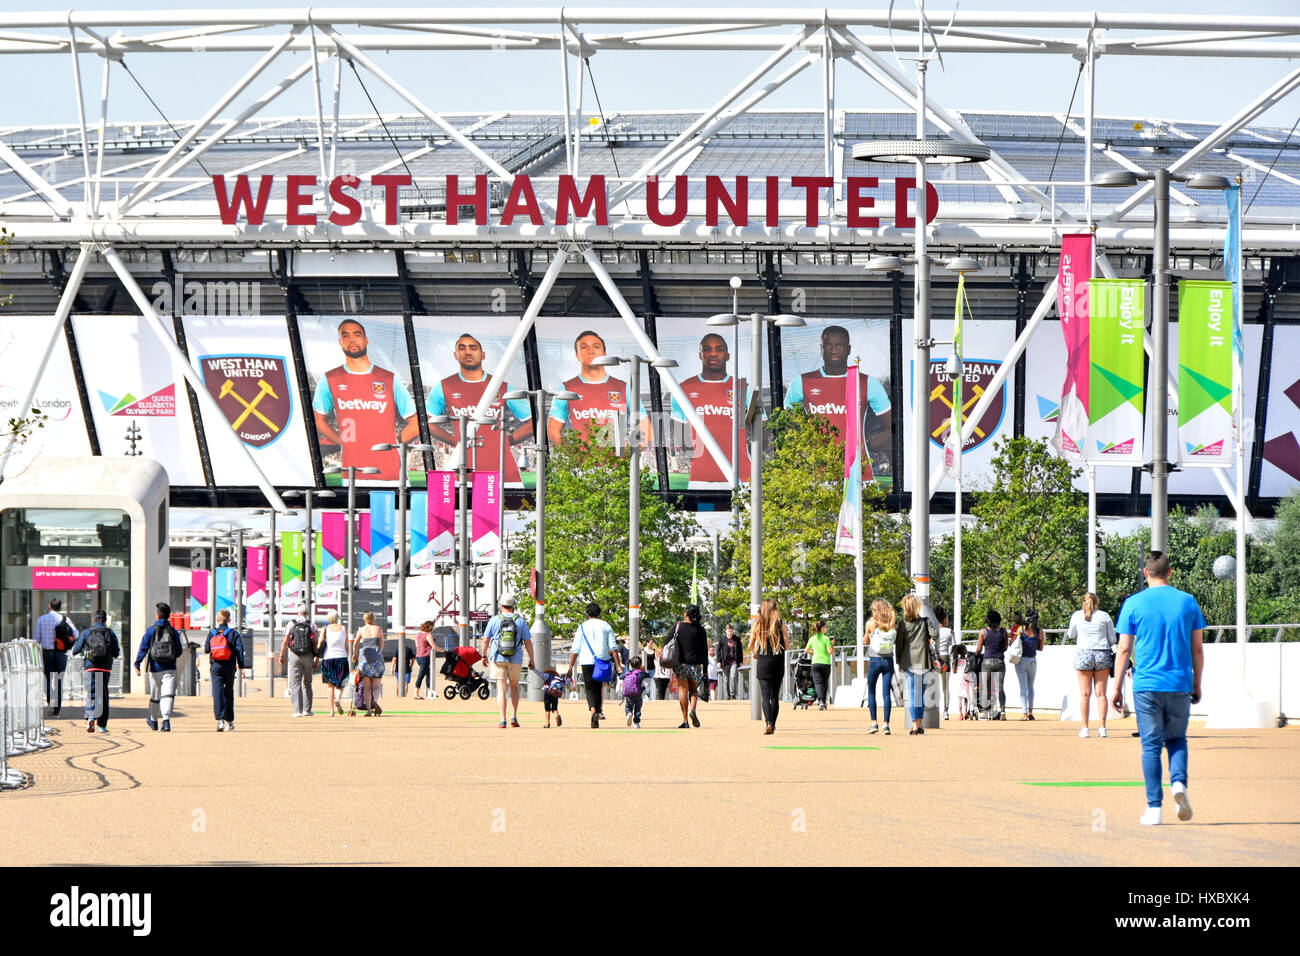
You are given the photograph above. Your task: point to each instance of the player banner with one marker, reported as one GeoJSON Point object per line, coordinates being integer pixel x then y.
{"type": "Point", "coordinates": [1205, 374]}
{"type": "Point", "coordinates": [383, 530]}
{"type": "Point", "coordinates": [442, 515]}
{"type": "Point", "coordinates": [200, 591]}
{"type": "Point", "coordinates": [331, 548]}
{"type": "Point", "coordinates": [421, 561]}
{"type": "Point", "coordinates": [225, 589]}
{"type": "Point", "coordinates": [485, 529]}
{"type": "Point", "coordinates": [850, 529]}
{"type": "Point", "coordinates": [1116, 385]}
{"type": "Point", "coordinates": [1074, 276]}
{"type": "Point", "coordinates": [255, 580]}
{"type": "Point", "coordinates": [291, 586]}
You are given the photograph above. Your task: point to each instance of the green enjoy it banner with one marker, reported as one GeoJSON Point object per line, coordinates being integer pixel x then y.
{"type": "Point", "coordinates": [291, 589]}
{"type": "Point", "coordinates": [1116, 383]}
{"type": "Point", "coordinates": [1205, 433]}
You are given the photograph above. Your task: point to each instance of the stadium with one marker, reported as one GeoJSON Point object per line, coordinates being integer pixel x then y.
{"type": "Point", "coordinates": [212, 290]}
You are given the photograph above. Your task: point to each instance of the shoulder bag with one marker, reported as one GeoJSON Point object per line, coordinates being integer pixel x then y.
{"type": "Point", "coordinates": [602, 672]}
{"type": "Point", "coordinates": [671, 654]}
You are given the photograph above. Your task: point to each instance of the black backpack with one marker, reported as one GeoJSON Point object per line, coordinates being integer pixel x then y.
{"type": "Point", "coordinates": [97, 645]}
{"type": "Point", "coordinates": [301, 642]}
{"type": "Point", "coordinates": [162, 649]}
{"type": "Point", "coordinates": [64, 635]}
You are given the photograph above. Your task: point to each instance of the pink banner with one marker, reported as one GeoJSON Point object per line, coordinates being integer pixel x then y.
{"type": "Point", "coordinates": [1072, 306]}
{"type": "Point", "coordinates": [65, 579]}
{"type": "Point", "coordinates": [442, 514]}
{"type": "Point", "coordinates": [334, 533]}
{"type": "Point", "coordinates": [255, 578]}
{"type": "Point", "coordinates": [200, 599]}
{"type": "Point", "coordinates": [485, 529]}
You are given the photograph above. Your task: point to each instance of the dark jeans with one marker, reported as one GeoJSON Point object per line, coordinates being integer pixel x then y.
{"type": "Point", "coordinates": [1162, 721]}
{"type": "Point", "coordinates": [632, 705]}
{"type": "Point", "coordinates": [223, 691]}
{"type": "Point", "coordinates": [594, 690]}
{"type": "Point", "coordinates": [821, 675]}
{"type": "Point", "coordinates": [661, 687]}
{"type": "Point", "coordinates": [54, 663]}
{"type": "Point", "coordinates": [770, 694]}
{"type": "Point", "coordinates": [423, 676]}
{"type": "Point", "coordinates": [876, 668]}
{"type": "Point", "coordinates": [97, 697]}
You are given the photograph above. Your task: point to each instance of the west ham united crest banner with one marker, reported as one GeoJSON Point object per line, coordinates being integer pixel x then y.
{"type": "Point", "coordinates": [1116, 385]}
{"type": "Point", "coordinates": [1205, 328]}
{"type": "Point", "coordinates": [253, 391]}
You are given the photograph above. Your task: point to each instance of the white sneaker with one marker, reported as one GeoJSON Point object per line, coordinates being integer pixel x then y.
{"type": "Point", "coordinates": [1152, 817]}
{"type": "Point", "coordinates": [873, 729]}
{"type": "Point", "coordinates": [221, 725]}
{"type": "Point", "coordinates": [1180, 798]}
{"type": "Point", "coordinates": [297, 715]}
{"type": "Point", "coordinates": [230, 726]}
{"type": "Point", "coordinates": [1083, 733]}
{"type": "Point", "coordinates": [945, 716]}
{"type": "Point", "coordinates": [1102, 732]}
{"type": "Point", "coordinates": [629, 719]}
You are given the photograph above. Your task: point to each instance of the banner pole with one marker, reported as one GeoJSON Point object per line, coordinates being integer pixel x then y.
{"type": "Point", "coordinates": [861, 438]}
{"type": "Point", "coordinates": [1092, 528]}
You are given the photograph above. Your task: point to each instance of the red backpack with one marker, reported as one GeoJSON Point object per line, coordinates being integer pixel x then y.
{"type": "Point", "coordinates": [218, 646]}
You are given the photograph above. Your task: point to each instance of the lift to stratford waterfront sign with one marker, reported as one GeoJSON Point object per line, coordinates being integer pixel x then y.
{"type": "Point", "coordinates": [729, 196]}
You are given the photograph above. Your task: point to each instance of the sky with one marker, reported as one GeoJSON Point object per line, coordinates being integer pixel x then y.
{"type": "Point", "coordinates": [184, 85]}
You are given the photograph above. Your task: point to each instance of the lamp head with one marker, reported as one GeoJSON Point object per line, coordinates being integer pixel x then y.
{"type": "Point", "coordinates": [664, 363]}
{"type": "Point", "coordinates": [962, 264]}
{"type": "Point", "coordinates": [567, 396]}
{"type": "Point", "coordinates": [515, 395]}
{"type": "Point", "coordinates": [609, 360]}
{"type": "Point", "coordinates": [735, 282]}
{"type": "Point", "coordinates": [726, 319]}
{"type": "Point", "coordinates": [1123, 178]}
{"type": "Point", "coordinates": [789, 322]}
{"type": "Point", "coordinates": [1208, 181]}
{"type": "Point", "coordinates": [884, 264]}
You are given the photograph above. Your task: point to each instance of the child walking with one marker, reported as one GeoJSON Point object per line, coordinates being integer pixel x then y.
{"type": "Point", "coordinates": [552, 691]}
{"type": "Point", "coordinates": [633, 682]}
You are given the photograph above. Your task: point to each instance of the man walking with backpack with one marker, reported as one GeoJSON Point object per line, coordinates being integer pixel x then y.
{"type": "Point", "coordinates": [56, 637]}
{"type": "Point", "coordinates": [100, 645]}
{"type": "Point", "coordinates": [501, 642]}
{"type": "Point", "coordinates": [225, 649]}
{"type": "Point", "coordinates": [300, 642]}
{"type": "Point", "coordinates": [162, 646]}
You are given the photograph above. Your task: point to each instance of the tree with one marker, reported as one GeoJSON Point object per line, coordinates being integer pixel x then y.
{"type": "Point", "coordinates": [587, 541]}
{"type": "Point", "coordinates": [803, 486]}
{"type": "Point", "coordinates": [1028, 548]}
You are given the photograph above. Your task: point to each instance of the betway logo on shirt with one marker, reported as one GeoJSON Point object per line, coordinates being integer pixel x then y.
{"type": "Point", "coordinates": [713, 410]}
{"type": "Point", "coordinates": [360, 405]}
{"type": "Point", "coordinates": [830, 408]}
{"type": "Point", "coordinates": [584, 413]}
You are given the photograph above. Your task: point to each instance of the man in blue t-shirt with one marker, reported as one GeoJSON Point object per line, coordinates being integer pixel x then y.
{"type": "Point", "coordinates": [502, 651]}
{"type": "Point", "coordinates": [1162, 627]}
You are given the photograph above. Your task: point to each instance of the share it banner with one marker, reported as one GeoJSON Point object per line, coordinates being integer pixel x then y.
{"type": "Point", "coordinates": [421, 562]}
{"type": "Point", "coordinates": [442, 515]}
{"type": "Point", "coordinates": [200, 599]}
{"type": "Point", "coordinates": [1073, 281]}
{"type": "Point", "coordinates": [256, 566]}
{"type": "Point", "coordinates": [1205, 360]}
{"type": "Point", "coordinates": [383, 530]}
{"type": "Point", "coordinates": [1117, 385]}
{"type": "Point", "coordinates": [486, 526]}
{"type": "Point", "coordinates": [332, 547]}
{"type": "Point", "coordinates": [291, 586]}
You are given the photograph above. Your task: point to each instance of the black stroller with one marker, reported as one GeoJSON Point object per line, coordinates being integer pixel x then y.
{"type": "Point", "coordinates": [805, 694]}
{"type": "Point", "coordinates": [461, 677]}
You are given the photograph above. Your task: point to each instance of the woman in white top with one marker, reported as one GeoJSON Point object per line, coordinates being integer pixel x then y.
{"type": "Point", "coordinates": [663, 675]}
{"type": "Point", "coordinates": [1094, 635]}
{"type": "Point", "coordinates": [334, 648]}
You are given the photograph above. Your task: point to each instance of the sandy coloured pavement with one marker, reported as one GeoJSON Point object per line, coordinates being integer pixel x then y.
{"type": "Point", "coordinates": [433, 782]}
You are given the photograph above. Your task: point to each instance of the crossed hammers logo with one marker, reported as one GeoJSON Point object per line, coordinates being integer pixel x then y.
{"type": "Point", "coordinates": [250, 408]}
{"type": "Point", "coordinates": [941, 392]}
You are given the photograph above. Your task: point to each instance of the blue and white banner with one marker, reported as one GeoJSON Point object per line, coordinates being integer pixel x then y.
{"type": "Point", "coordinates": [421, 553]}
{"type": "Point", "coordinates": [225, 590]}
{"type": "Point", "coordinates": [383, 531]}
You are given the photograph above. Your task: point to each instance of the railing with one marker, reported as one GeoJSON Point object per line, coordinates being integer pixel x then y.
{"type": "Point", "coordinates": [22, 699]}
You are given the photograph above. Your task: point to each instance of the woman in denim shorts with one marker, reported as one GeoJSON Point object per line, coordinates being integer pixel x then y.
{"type": "Point", "coordinates": [1094, 635]}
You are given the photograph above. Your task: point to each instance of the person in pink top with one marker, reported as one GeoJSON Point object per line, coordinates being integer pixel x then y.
{"type": "Point", "coordinates": [423, 655]}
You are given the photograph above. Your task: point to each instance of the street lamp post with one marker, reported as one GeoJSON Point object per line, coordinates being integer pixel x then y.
{"type": "Point", "coordinates": [754, 422]}
{"type": "Point", "coordinates": [462, 510]}
{"type": "Point", "coordinates": [400, 555]}
{"type": "Point", "coordinates": [350, 567]}
{"type": "Point", "coordinates": [634, 490]}
{"type": "Point", "coordinates": [308, 546]}
{"type": "Point", "coordinates": [540, 630]}
{"type": "Point", "coordinates": [1160, 178]}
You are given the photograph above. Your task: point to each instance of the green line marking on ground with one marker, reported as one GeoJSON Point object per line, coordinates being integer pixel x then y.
{"type": "Point", "coordinates": [1084, 783]}
{"type": "Point", "coordinates": [776, 747]}
{"type": "Point", "coordinates": [422, 713]}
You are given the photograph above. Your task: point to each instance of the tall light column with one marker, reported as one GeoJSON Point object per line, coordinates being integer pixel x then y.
{"type": "Point", "coordinates": [462, 510]}
{"type": "Point", "coordinates": [350, 566]}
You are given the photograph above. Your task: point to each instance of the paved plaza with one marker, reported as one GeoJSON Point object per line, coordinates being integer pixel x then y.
{"type": "Point", "coordinates": [434, 782]}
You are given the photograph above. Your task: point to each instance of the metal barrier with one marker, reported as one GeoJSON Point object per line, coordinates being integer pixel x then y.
{"type": "Point", "coordinates": [22, 687]}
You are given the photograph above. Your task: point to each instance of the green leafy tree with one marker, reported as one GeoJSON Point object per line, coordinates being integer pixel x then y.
{"type": "Point", "coordinates": [1028, 548]}
{"type": "Point", "coordinates": [803, 486]}
{"type": "Point", "coordinates": [587, 541]}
